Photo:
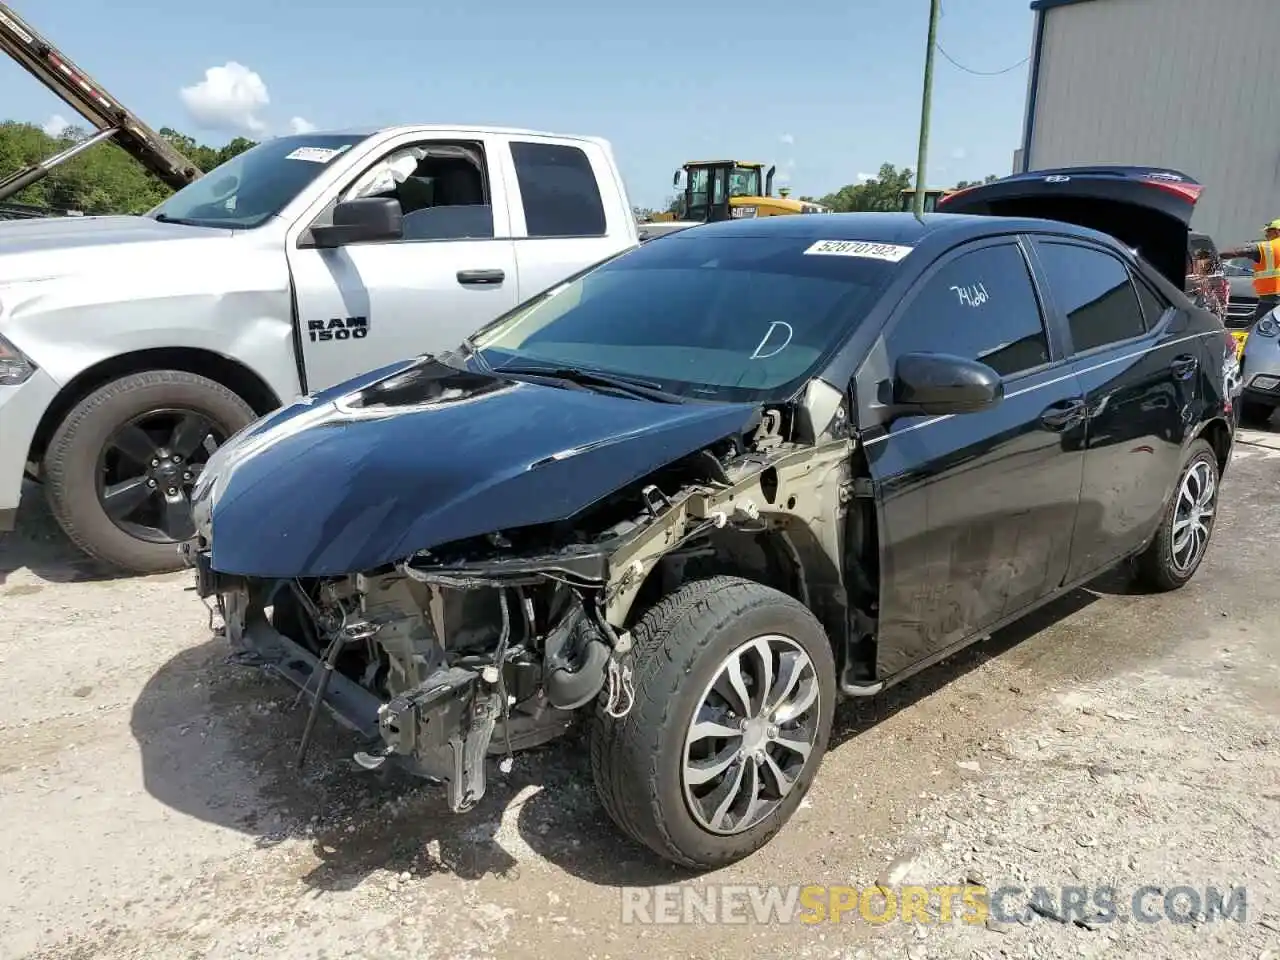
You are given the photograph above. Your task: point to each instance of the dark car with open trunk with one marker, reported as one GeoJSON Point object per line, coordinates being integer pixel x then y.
{"type": "Point", "coordinates": [696, 494]}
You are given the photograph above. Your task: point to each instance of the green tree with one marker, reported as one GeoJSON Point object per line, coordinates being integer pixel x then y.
{"type": "Point", "coordinates": [880, 193]}
{"type": "Point", "coordinates": [102, 180]}
{"type": "Point", "coordinates": [989, 178]}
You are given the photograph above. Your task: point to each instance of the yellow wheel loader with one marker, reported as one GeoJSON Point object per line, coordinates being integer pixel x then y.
{"type": "Point", "coordinates": [730, 190]}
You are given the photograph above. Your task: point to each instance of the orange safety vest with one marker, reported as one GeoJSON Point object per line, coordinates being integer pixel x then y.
{"type": "Point", "coordinates": [1266, 272]}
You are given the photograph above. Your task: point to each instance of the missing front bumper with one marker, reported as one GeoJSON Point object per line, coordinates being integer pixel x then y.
{"type": "Point", "coordinates": [440, 730]}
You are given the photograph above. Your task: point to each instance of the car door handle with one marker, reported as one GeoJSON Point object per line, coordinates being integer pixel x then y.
{"type": "Point", "coordinates": [1063, 414]}
{"type": "Point", "coordinates": [1184, 366]}
{"type": "Point", "coordinates": [480, 277]}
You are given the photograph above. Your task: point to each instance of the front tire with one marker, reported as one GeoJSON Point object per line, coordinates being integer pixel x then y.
{"type": "Point", "coordinates": [120, 467]}
{"type": "Point", "coordinates": [734, 697]}
{"type": "Point", "coordinates": [1179, 546]}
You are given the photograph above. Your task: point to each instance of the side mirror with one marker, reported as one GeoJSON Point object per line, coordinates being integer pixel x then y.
{"type": "Point", "coordinates": [675, 180]}
{"type": "Point", "coordinates": [939, 384]}
{"type": "Point", "coordinates": [361, 221]}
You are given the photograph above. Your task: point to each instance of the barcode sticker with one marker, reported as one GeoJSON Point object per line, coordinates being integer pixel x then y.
{"type": "Point", "coordinates": [892, 252]}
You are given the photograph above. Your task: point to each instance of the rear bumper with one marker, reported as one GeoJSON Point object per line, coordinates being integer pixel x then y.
{"type": "Point", "coordinates": [1266, 391]}
{"type": "Point", "coordinates": [21, 409]}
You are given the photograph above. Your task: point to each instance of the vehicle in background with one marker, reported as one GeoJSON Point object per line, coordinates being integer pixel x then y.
{"type": "Point", "coordinates": [715, 190]}
{"type": "Point", "coordinates": [1243, 302]}
{"type": "Point", "coordinates": [1260, 371]}
{"type": "Point", "coordinates": [694, 495]}
{"type": "Point", "coordinates": [1206, 282]}
{"type": "Point", "coordinates": [907, 198]}
{"type": "Point", "coordinates": [131, 347]}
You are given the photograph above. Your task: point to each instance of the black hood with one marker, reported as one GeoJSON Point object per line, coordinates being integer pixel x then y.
{"type": "Point", "coordinates": [415, 456]}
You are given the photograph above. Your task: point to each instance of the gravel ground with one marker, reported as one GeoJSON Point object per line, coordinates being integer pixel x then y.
{"type": "Point", "coordinates": [1112, 740]}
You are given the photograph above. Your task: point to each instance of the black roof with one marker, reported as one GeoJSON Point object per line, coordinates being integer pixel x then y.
{"type": "Point", "coordinates": [903, 228]}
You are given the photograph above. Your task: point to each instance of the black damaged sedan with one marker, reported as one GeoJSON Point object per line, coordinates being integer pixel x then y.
{"type": "Point", "coordinates": [699, 492]}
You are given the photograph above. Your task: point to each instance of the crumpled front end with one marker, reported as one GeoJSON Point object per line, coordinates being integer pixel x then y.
{"type": "Point", "coordinates": [497, 620]}
{"type": "Point", "coordinates": [408, 658]}
{"type": "Point", "coordinates": [483, 646]}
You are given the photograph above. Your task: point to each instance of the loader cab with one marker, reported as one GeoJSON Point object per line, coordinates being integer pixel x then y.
{"type": "Point", "coordinates": [932, 196]}
{"type": "Point", "coordinates": [714, 190]}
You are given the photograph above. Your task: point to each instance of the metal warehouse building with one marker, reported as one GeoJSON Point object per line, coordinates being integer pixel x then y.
{"type": "Point", "coordinates": [1191, 85]}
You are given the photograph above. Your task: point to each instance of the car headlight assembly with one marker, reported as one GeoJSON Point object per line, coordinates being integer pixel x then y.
{"type": "Point", "coordinates": [1268, 326]}
{"type": "Point", "coordinates": [15, 368]}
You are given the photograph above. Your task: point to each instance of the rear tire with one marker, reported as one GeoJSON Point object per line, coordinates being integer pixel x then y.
{"type": "Point", "coordinates": [87, 465]}
{"type": "Point", "coordinates": [653, 772]}
{"type": "Point", "coordinates": [1255, 414]}
{"type": "Point", "coordinates": [1170, 561]}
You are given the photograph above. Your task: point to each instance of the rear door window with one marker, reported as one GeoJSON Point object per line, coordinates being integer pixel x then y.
{"type": "Point", "coordinates": [559, 190]}
{"type": "Point", "coordinates": [1153, 304]}
{"type": "Point", "coordinates": [1094, 290]}
{"type": "Point", "coordinates": [980, 306]}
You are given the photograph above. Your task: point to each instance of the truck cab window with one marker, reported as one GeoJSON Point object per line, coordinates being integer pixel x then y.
{"type": "Point", "coordinates": [559, 190]}
{"type": "Point", "coordinates": [442, 189]}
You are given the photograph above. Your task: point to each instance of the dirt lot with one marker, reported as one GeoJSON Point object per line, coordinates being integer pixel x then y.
{"type": "Point", "coordinates": [151, 809]}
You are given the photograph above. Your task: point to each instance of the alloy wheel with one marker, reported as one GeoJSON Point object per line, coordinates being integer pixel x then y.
{"type": "Point", "coordinates": [751, 734]}
{"type": "Point", "coordinates": [1193, 516]}
{"type": "Point", "coordinates": [147, 468]}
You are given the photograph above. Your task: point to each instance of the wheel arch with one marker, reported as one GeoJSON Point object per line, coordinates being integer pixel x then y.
{"type": "Point", "coordinates": [1218, 435]}
{"type": "Point", "coordinates": [232, 374]}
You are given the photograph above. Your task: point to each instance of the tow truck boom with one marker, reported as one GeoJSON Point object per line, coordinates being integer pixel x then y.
{"type": "Point", "coordinates": [87, 97]}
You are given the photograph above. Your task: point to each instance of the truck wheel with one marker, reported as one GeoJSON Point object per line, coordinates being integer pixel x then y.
{"type": "Point", "coordinates": [1173, 557]}
{"type": "Point", "coordinates": [1255, 414]}
{"type": "Point", "coordinates": [119, 468]}
{"type": "Point", "coordinates": [734, 695]}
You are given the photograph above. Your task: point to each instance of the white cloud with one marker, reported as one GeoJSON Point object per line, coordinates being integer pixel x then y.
{"type": "Point", "coordinates": [228, 99]}
{"type": "Point", "coordinates": [55, 126]}
{"type": "Point", "coordinates": [302, 125]}
{"type": "Point", "coordinates": [787, 139]}
{"type": "Point", "coordinates": [864, 177]}
{"type": "Point", "coordinates": [959, 153]}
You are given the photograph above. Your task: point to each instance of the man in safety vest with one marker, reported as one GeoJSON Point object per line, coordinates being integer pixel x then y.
{"type": "Point", "coordinates": [1265, 255]}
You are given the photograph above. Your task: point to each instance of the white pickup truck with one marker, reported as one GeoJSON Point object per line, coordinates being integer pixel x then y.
{"type": "Point", "coordinates": [130, 347]}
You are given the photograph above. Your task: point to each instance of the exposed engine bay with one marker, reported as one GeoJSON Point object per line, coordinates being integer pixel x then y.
{"type": "Point", "coordinates": [495, 644]}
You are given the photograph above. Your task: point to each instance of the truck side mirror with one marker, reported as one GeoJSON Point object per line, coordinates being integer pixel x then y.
{"type": "Point", "coordinates": [361, 221]}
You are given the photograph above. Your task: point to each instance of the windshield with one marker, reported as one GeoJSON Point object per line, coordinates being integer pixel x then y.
{"type": "Point", "coordinates": [254, 186]}
{"type": "Point", "coordinates": [735, 319]}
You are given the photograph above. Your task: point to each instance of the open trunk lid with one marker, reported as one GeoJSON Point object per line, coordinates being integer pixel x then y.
{"type": "Point", "coordinates": [1146, 208]}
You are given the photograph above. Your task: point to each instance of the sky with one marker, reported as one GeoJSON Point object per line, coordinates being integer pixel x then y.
{"type": "Point", "coordinates": [827, 91]}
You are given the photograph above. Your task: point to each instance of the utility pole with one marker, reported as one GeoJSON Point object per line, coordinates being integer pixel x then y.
{"type": "Point", "coordinates": [935, 7]}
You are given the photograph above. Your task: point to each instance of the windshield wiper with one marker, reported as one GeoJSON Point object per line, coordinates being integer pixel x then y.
{"type": "Point", "coordinates": [165, 218]}
{"type": "Point", "coordinates": [645, 389]}
{"type": "Point", "coordinates": [473, 352]}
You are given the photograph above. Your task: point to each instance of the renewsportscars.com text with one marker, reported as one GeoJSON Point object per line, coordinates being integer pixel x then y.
{"type": "Point", "coordinates": [972, 904]}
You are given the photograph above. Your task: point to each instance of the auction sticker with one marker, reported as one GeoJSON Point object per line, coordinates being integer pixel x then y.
{"type": "Point", "coordinates": [858, 248]}
{"type": "Point", "coordinates": [317, 154]}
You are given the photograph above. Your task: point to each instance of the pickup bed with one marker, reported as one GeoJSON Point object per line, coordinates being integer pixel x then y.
{"type": "Point", "coordinates": [130, 347]}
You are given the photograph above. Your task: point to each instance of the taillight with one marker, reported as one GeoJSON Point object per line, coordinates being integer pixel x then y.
{"type": "Point", "coordinates": [1187, 191]}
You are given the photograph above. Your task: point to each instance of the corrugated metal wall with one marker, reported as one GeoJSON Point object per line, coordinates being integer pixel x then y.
{"type": "Point", "coordinates": [1188, 84]}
